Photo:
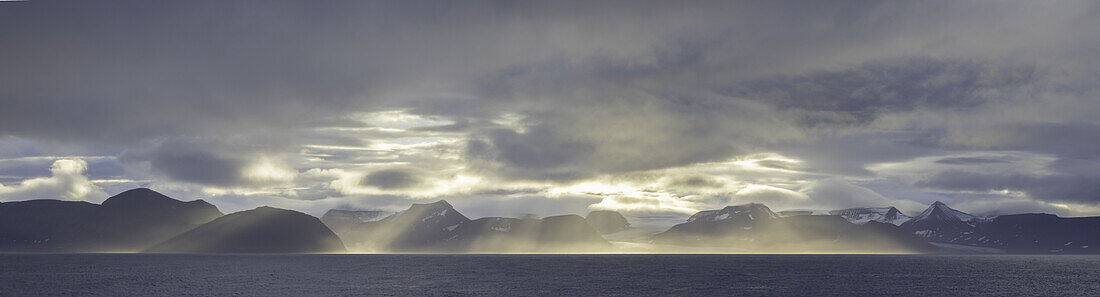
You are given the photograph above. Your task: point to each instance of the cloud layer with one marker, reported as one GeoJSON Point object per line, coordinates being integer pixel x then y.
{"type": "Point", "coordinates": [649, 107]}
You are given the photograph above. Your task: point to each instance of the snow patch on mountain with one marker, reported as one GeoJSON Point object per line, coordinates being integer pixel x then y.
{"type": "Point", "coordinates": [862, 215]}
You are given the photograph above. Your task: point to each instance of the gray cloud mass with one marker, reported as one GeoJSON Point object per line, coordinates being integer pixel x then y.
{"type": "Point", "coordinates": [390, 179]}
{"type": "Point", "coordinates": [640, 106]}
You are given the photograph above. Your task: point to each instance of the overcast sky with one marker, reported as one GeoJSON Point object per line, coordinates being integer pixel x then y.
{"type": "Point", "coordinates": [551, 107]}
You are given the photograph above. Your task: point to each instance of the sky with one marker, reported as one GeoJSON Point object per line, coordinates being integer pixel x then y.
{"type": "Point", "coordinates": [656, 109]}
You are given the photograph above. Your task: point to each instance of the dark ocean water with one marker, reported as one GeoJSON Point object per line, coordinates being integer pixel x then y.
{"type": "Point", "coordinates": [546, 275]}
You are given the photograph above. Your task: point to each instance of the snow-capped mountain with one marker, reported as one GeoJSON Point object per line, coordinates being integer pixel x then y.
{"type": "Point", "coordinates": [941, 223]}
{"type": "Point", "coordinates": [939, 211]}
{"type": "Point", "coordinates": [744, 212]}
{"type": "Point", "coordinates": [862, 215]}
{"type": "Point", "coordinates": [754, 227]}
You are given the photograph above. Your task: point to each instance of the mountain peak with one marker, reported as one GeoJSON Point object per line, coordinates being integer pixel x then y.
{"type": "Point", "coordinates": [748, 205]}
{"type": "Point", "coordinates": [434, 211]}
{"type": "Point", "coordinates": [442, 203]}
{"type": "Point", "coordinates": [751, 207]}
{"type": "Point", "coordinates": [438, 206]}
{"type": "Point", "coordinates": [265, 208]}
{"type": "Point", "coordinates": [136, 196]}
{"type": "Point", "coordinates": [939, 211]}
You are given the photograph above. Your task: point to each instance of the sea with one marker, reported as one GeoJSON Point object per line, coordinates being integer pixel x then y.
{"type": "Point", "coordinates": [547, 275]}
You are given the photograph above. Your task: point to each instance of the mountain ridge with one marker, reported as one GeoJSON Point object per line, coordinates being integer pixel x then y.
{"type": "Point", "coordinates": [438, 227]}
{"type": "Point", "coordinates": [145, 220]}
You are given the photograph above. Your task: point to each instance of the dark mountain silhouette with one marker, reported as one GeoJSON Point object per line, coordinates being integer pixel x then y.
{"type": "Point", "coordinates": [142, 219]}
{"type": "Point", "coordinates": [754, 227]}
{"type": "Point", "coordinates": [342, 220]}
{"type": "Point", "coordinates": [40, 225]}
{"type": "Point", "coordinates": [438, 227]}
{"type": "Point", "coordinates": [137, 219]}
{"type": "Point", "coordinates": [130, 221]}
{"type": "Point", "coordinates": [1041, 233]}
{"type": "Point", "coordinates": [261, 230]}
{"type": "Point", "coordinates": [1018, 233]}
{"type": "Point", "coordinates": [607, 222]}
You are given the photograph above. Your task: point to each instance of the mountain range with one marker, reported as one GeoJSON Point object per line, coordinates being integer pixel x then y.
{"type": "Point", "coordinates": [756, 228]}
{"type": "Point", "coordinates": [1017, 233]}
{"type": "Point", "coordinates": [889, 215]}
{"type": "Point", "coordinates": [142, 220]}
{"type": "Point", "coordinates": [438, 227]}
{"type": "Point", "coordinates": [952, 230]}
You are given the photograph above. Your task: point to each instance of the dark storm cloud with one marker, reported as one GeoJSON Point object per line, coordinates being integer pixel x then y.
{"type": "Point", "coordinates": [860, 94]}
{"type": "Point", "coordinates": [129, 70]}
{"type": "Point", "coordinates": [848, 154]}
{"type": "Point", "coordinates": [192, 165]}
{"type": "Point", "coordinates": [388, 179]}
{"type": "Point", "coordinates": [126, 70]}
{"type": "Point", "coordinates": [697, 118]}
{"type": "Point", "coordinates": [1057, 187]}
{"type": "Point", "coordinates": [539, 151]}
{"type": "Point", "coordinates": [582, 144]}
{"type": "Point", "coordinates": [699, 181]}
{"type": "Point", "coordinates": [460, 125]}
{"type": "Point", "coordinates": [1069, 139]}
